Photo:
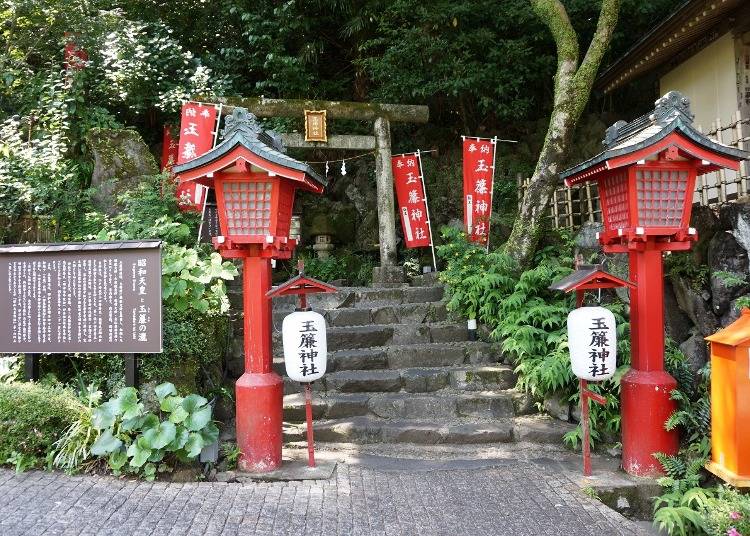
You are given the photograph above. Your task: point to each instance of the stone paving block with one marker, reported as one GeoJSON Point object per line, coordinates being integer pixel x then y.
{"type": "Point", "coordinates": [424, 380]}
{"type": "Point", "coordinates": [423, 294]}
{"type": "Point", "coordinates": [411, 334]}
{"type": "Point", "coordinates": [385, 315]}
{"type": "Point", "coordinates": [427, 355]}
{"type": "Point", "coordinates": [358, 359]}
{"type": "Point", "coordinates": [348, 337]}
{"type": "Point", "coordinates": [410, 406]}
{"type": "Point", "coordinates": [448, 332]}
{"type": "Point", "coordinates": [348, 317]}
{"type": "Point", "coordinates": [356, 381]}
{"type": "Point", "coordinates": [540, 429]}
{"type": "Point", "coordinates": [485, 406]}
{"type": "Point", "coordinates": [498, 377]}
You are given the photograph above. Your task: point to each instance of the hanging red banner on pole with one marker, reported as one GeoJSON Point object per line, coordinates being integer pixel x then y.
{"type": "Point", "coordinates": [197, 136]}
{"type": "Point", "coordinates": [479, 174]}
{"type": "Point", "coordinates": [412, 202]}
{"type": "Point", "coordinates": [169, 147]}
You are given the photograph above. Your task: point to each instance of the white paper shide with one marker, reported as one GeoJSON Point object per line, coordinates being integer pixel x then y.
{"type": "Point", "coordinates": [305, 345]}
{"type": "Point", "coordinates": [592, 339]}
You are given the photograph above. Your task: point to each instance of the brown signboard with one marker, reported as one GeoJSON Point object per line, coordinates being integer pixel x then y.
{"type": "Point", "coordinates": [93, 297]}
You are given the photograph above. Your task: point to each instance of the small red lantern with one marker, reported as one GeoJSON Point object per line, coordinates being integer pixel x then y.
{"type": "Point", "coordinates": [646, 178]}
{"type": "Point", "coordinates": [254, 182]}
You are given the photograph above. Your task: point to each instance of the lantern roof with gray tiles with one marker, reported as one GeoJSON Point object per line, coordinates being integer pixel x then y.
{"type": "Point", "coordinates": [242, 128]}
{"type": "Point", "coordinates": [671, 114]}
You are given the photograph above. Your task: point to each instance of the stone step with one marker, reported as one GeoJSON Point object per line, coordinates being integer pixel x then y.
{"type": "Point", "coordinates": [363, 297]}
{"type": "Point", "coordinates": [374, 335]}
{"type": "Point", "coordinates": [443, 405]}
{"type": "Point", "coordinates": [406, 313]}
{"type": "Point", "coordinates": [430, 355]}
{"type": "Point", "coordinates": [429, 279]}
{"type": "Point", "coordinates": [420, 380]}
{"type": "Point", "coordinates": [364, 429]}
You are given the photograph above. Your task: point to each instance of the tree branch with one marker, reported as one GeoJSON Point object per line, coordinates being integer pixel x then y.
{"type": "Point", "coordinates": [553, 14]}
{"type": "Point", "coordinates": [605, 27]}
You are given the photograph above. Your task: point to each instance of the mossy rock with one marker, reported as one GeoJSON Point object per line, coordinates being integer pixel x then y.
{"type": "Point", "coordinates": [121, 158]}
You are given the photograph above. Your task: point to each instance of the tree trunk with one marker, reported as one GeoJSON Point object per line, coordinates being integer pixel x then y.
{"type": "Point", "coordinates": [572, 90]}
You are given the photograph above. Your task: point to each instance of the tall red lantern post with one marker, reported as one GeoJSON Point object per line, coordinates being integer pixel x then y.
{"type": "Point", "coordinates": [646, 179]}
{"type": "Point", "coordinates": [255, 183]}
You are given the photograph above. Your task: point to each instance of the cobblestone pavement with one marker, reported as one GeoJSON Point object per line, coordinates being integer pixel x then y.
{"type": "Point", "coordinates": [519, 498]}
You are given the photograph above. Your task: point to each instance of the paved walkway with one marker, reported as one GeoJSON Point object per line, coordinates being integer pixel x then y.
{"type": "Point", "coordinates": [518, 498]}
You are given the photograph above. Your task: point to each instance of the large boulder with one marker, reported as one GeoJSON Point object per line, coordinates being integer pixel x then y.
{"type": "Point", "coordinates": [121, 159]}
{"type": "Point", "coordinates": [706, 223]}
{"type": "Point", "coordinates": [586, 242]}
{"type": "Point", "coordinates": [695, 350]}
{"type": "Point", "coordinates": [697, 305]}
{"type": "Point", "coordinates": [726, 259]}
{"type": "Point", "coordinates": [677, 324]}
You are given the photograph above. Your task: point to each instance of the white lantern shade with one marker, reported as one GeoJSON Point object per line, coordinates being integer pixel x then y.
{"type": "Point", "coordinates": [592, 340]}
{"type": "Point", "coordinates": [305, 345]}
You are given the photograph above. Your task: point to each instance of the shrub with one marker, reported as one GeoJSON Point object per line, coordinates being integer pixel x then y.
{"type": "Point", "coordinates": [32, 418]}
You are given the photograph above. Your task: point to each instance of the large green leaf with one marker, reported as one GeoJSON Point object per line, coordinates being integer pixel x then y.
{"type": "Point", "coordinates": [104, 416]}
{"type": "Point", "coordinates": [105, 444]}
{"type": "Point", "coordinates": [180, 439]}
{"type": "Point", "coordinates": [194, 445]}
{"type": "Point", "coordinates": [126, 403]}
{"type": "Point", "coordinates": [164, 390]}
{"type": "Point", "coordinates": [178, 415]}
{"type": "Point", "coordinates": [210, 433]}
{"type": "Point", "coordinates": [117, 460]}
{"type": "Point", "coordinates": [198, 419]}
{"type": "Point", "coordinates": [193, 402]}
{"type": "Point", "coordinates": [160, 436]}
{"type": "Point", "coordinates": [139, 451]}
{"type": "Point", "coordinates": [170, 403]}
{"type": "Point", "coordinates": [149, 421]}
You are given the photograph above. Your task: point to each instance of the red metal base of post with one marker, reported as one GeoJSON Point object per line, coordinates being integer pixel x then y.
{"type": "Point", "coordinates": [646, 406]}
{"type": "Point", "coordinates": [259, 420]}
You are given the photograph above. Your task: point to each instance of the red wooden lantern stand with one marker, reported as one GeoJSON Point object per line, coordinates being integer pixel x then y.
{"type": "Point", "coordinates": [302, 286]}
{"type": "Point", "coordinates": [255, 183]}
{"type": "Point", "coordinates": [646, 179]}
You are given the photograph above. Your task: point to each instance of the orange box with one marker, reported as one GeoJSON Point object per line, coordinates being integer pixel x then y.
{"type": "Point", "coordinates": [730, 402]}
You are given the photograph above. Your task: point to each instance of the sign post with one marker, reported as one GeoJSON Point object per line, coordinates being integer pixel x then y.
{"type": "Point", "coordinates": [89, 297]}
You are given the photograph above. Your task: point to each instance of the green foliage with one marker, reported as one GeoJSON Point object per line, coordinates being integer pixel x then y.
{"type": "Point", "coordinates": [32, 418]}
{"type": "Point", "coordinates": [74, 446]}
{"type": "Point", "coordinates": [231, 453]}
{"type": "Point", "coordinates": [530, 321]}
{"type": "Point", "coordinates": [134, 440]}
{"type": "Point", "coordinates": [681, 265]}
{"type": "Point", "coordinates": [341, 264]}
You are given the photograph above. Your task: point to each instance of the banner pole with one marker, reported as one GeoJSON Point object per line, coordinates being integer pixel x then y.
{"type": "Point", "coordinates": [492, 190]}
{"type": "Point", "coordinates": [427, 208]}
{"type": "Point", "coordinates": [218, 123]}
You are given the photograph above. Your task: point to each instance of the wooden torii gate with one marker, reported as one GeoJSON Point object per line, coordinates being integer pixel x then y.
{"type": "Point", "coordinates": [382, 115]}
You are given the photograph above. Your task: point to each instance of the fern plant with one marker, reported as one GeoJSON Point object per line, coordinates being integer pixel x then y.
{"type": "Point", "coordinates": [529, 320]}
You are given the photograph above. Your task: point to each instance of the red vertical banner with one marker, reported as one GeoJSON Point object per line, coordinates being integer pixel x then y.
{"type": "Point", "coordinates": [197, 135]}
{"type": "Point", "coordinates": [169, 148]}
{"type": "Point", "coordinates": [412, 202]}
{"type": "Point", "coordinates": [479, 174]}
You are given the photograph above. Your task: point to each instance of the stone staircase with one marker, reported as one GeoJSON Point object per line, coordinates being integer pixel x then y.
{"type": "Point", "coordinates": [400, 371]}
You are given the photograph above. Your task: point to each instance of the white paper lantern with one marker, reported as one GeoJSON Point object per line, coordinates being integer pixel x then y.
{"type": "Point", "coordinates": [305, 345]}
{"type": "Point", "coordinates": [592, 339]}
